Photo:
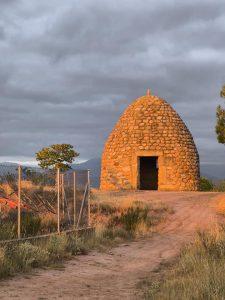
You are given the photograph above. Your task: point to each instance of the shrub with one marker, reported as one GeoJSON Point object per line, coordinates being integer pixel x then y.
{"type": "Point", "coordinates": [57, 246]}
{"type": "Point", "coordinates": [132, 217]}
{"type": "Point", "coordinates": [141, 229]}
{"type": "Point", "coordinates": [111, 233]}
{"type": "Point", "coordinates": [7, 230]}
{"type": "Point", "coordinates": [103, 208]}
{"type": "Point", "coordinates": [5, 265]}
{"type": "Point", "coordinates": [76, 245]}
{"type": "Point", "coordinates": [26, 256]}
{"type": "Point", "coordinates": [114, 222]}
{"type": "Point", "coordinates": [48, 224]}
{"type": "Point", "coordinates": [206, 184]}
{"type": "Point", "coordinates": [30, 224]}
{"type": "Point", "coordinates": [21, 257]}
{"type": "Point", "coordinates": [220, 186]}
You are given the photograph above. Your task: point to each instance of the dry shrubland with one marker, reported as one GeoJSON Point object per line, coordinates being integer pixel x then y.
{"type": "Point", "coordinates": [199, 271]}
{"type": "Point", "coordinates": [119, 213]}
{"type": "Point", "coordinates": [116, 217]}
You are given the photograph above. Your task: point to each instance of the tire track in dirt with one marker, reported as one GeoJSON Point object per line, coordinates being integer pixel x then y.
{"type": "Point", "coordinates": [115, 275]}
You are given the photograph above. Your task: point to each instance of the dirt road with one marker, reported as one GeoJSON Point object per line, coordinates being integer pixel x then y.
{"type": "Point", "coordinates": [115, 275]}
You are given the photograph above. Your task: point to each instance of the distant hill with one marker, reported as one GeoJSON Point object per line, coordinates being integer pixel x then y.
{"type": "Point", "coordinates": [8, 168]}
{"type": "Point", "coordinates": [94, 165]}
{"type": "Point", "coordinates": [211, 171]}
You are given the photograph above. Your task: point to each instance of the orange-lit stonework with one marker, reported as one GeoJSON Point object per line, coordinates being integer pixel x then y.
{"type": "Point", "coordinates": [150, 142]}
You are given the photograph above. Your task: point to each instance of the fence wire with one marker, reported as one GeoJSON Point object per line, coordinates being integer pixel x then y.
{"type": "Point", "coordinates": [39, 194]}
{"type": "Point", "coordinates": [74, 205]}
{"type": "Point", "coordinates": [38, 190]}
{"type": "Point", "coordinates": [68, 200]}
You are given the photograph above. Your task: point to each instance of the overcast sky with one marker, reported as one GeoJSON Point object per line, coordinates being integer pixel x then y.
{"type": "Point", "coordinates": [69, 68]}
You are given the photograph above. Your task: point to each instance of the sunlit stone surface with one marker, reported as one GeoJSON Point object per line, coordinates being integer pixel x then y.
{"type": "Point", "coordinates": [150, 127]}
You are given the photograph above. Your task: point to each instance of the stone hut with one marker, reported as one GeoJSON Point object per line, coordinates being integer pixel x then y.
{"type": "Point", "coordinates": [150, 148]}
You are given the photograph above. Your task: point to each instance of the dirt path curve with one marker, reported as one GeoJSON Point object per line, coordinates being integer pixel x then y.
{"type": "Point", "coordinates": [116, 274]}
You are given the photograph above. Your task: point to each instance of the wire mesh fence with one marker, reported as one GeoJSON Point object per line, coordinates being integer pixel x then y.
{"type": "Point", "coordinates": [39, 202]}
{"type": "Point", "coordinates": [75, 193]}
{"type": "Point", "coordinates": [8, 202]}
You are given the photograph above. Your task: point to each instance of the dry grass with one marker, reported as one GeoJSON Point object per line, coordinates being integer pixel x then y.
{"type": "Point", "coordinates": [116, 218]}
{"type": "Point", "coordinates": [221, 205]}
{"type": "Point", "coordinates": [23, 257]}
{"type": "Point", "coordinates": [117, 210]}
{"type": "Point", "coordinates": [199, 272]}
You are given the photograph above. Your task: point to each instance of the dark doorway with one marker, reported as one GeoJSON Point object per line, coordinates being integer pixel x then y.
{"type": "Point", "coordinates": [148, 173]}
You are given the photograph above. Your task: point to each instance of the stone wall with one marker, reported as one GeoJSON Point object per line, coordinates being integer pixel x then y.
{"type": "Point", "coordinates": [150, 127]}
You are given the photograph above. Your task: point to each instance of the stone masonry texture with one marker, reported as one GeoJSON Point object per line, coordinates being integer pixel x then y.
{"type": "Point", "coordinates": [150, 127]}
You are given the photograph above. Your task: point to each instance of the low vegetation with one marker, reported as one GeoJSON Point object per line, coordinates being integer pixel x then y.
{"type": "Point", "coordinates": [199, 273]}
{"type": "Point", "coordinates": [31, 225]}
{"type": "Point", "coordinates": [24, 256]}
{"type": "Point", "coordinates": [207, 185]}
{"type": "Point", "coordinates": [114, 222]}
{"type": "Point", "coordinates": [129, 216]}
{"type": "Point", "coordinates": [221, 206]}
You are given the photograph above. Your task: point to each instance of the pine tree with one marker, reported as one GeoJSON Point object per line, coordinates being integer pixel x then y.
{"type": "Point", "coordinates": [56, 156]}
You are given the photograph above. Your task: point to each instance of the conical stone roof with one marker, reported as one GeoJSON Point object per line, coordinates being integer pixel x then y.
{"type": "Point", "coordinates": [150, 127]}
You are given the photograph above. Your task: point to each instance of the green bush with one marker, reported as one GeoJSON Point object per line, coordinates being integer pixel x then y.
{"type": "Point", "coordinates": [22, 257]}
{"type": "Point", "coordinates": [27, 256]}
{"type": "Point", "coordinates": [132, 217]}
{"type": "Point", "coordinates": [76, 246]}
{"type": "Point", "coordinates": [206, 184]}
{"type": "Point", "coordinates": [7, 230]}
{"type": "Point", "coordinates": [57, 247]}
{"type": "Point", "coordinates": [6, 268]}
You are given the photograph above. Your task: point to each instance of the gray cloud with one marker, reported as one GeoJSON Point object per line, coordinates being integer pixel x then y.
{"type": "Point", "coordinates": [69, 68]}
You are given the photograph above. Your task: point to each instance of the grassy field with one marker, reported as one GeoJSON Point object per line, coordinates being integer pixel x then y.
{"type": "Point", "coordinates": [199, 271]}
{"type": "Point", "coordinates": [115, 219]}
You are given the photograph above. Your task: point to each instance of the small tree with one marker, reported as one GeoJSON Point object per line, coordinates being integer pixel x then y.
{"type": "Point", "coordinates": [220, 123]}
{"type": "Point", "coordinates": [56, 156]}
{"type": "Point", "coordinates": [206, 184]}
{"type": "Point", "coordinates": [222, 92]}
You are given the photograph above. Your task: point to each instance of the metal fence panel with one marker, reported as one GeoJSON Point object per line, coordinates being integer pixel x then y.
{"type": "Point", "coordinates": [82, 192]}
{"type": "Point", "coordinates": [34, 202]}
{"type": "Point", "coordinates": [8, 201]}
{"type": "Point", "coordinates": [39, 197]}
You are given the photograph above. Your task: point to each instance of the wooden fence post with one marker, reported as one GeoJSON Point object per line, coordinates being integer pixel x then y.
{"type": "Point", "coordinates": [58, 200]}
{"type": "Point", "coordinates": [19, 204]}
{"type": "Point", "coordinates": [74, 199]}
{"type": "Point", "coordinates": [82, 206]}
{"type": "Point", "coordinates": [88, 198]}
{"type": "Point", "coordinates": [63, 195]}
